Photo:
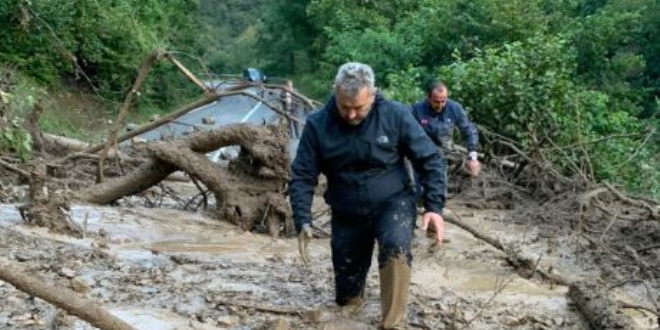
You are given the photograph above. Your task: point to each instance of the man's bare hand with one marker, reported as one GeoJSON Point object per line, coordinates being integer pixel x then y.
{"type": "Point", "coordinates": [304, 237]}
{"type": "Point", "coordinates": [438, 223]}
{"type": "Point", "coordinates": [474, 166]}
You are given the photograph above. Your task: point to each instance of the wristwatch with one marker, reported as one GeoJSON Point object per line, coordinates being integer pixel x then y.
{"type": "Point", "coordinates": [472, 155]}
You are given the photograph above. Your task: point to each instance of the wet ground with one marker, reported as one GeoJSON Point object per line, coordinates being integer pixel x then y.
{"type": "Point", "coordinates": [162, 269]}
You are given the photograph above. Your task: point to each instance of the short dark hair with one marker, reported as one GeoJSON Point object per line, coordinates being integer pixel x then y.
{"type": "Point", "coordinates": [433, 85]}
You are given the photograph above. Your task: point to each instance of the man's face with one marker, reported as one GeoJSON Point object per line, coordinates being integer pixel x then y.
{"type": "Point", "coordinates": [354, 109]}
{"type": "Point", "coordinates": [438, 99]}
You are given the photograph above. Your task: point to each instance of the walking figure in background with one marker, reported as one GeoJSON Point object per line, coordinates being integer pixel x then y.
{"type": "Point", "coordinates": [439, 116]}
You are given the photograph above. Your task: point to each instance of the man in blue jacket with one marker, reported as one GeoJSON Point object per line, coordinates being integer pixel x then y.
{"type": "Point", "coordinates": [439, 115]}
{"type": "Point", "coordinates": [359, 141]}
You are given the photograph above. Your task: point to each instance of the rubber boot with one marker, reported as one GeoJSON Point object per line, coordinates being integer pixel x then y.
{"type": "Point", "coordinates": [394, 286]}
{"type": "Point", "coordinates": [353, 306]}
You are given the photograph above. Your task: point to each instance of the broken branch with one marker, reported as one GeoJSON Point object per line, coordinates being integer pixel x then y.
{"type": "Point", "coordinates": [62, 298]}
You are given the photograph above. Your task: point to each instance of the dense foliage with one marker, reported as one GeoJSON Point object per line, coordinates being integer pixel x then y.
{"type": "Point", "coordinates": [581, 75]}
{"type": "Point", "coordinates": [98, 45]}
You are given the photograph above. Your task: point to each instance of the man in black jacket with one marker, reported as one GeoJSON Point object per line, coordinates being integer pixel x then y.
{"type": "Point", "coordinates": [439, 116]}
{"type": "Point", "coordinates": [359, 141]}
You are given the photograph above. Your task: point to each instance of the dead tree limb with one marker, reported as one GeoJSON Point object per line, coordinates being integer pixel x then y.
{"type": "Point", "coordinates": [196, 165]}
{"type": "Point", "coordinates": [142, 76]}
{"type": "Point", "coordinates": [187, 73]}
{"type": "Point", "coordinates": [148, 174]}
{"type": "Point", "coordinates": [257, 140]}
{"type": "Point", "coordinates": [65, 299]}
{"type": "Point", "coordinates": [654, 211]}
{"type": "Point", "coordinates": [598, 307]}
{"type": "Point", "coordinates": [187, 108]}
{"type": "Point", "coordinates": [546, 167]}
{"type": "Point", "coordinates": [648, 247]}
{"type": "Point", "coordinates": [61, 145]}
{"type": "Point", "coordinates": [312, 104]}
{"type": "Point", "coordinates": [525, 266]}
{"type": "Point", "coordinates": [31, 125]}
{"type": "Point", "coordinates": [14, 169]}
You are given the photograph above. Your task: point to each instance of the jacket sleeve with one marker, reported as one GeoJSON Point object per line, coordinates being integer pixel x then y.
{"type": "Point", "coordinates": [427, 161]}
{"type": "Point", "coordinates": [467, 128]}
{"type": "Point", "coordinates": [304, 178]}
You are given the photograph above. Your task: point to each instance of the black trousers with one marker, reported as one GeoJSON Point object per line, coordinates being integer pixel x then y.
{"type": "Point", "coordinates": [353, 242]}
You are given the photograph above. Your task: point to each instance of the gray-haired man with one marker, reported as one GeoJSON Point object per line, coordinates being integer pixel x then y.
{"type": "Point", "coordinates": [359, 141]}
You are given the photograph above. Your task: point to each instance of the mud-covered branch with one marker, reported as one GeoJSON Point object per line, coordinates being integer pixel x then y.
{"type": "Point", "coordinates": [148, 174]}
{"type": "Point", "coordinates": [67, 300]}
{"type": "Point", "coordinates": [263, 162]}
{"type": "Point", "coordinates": [142, 76]}
{"type": "Point", "coordinates": [596, 304]}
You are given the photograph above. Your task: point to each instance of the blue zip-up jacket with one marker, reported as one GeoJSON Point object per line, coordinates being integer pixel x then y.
{"type": "Point", "coordinates": [364, 163]}
{"type": "Point", "coordinates": [440, 126]}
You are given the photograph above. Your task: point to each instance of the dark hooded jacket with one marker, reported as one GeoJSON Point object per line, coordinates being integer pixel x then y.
{"type": "Point", "coordinates": [363, 164]}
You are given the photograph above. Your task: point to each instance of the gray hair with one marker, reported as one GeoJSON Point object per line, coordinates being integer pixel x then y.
{"type": "Point", "coordinates": [353, 76]}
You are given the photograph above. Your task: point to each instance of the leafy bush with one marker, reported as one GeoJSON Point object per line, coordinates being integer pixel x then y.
{"type": "Point", "coordinates": [527, 91]}
{"type": "Point", "coordinates": [98, 44]}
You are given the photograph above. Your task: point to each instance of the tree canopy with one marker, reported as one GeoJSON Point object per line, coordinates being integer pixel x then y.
{"type": "Point", "coordinates": [571, 71]}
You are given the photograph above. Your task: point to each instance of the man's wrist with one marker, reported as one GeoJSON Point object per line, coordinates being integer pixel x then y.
{"type": "Point", "coordinates": [472, 155]}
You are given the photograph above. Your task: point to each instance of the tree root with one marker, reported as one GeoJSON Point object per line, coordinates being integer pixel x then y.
{"type": "Point", "coordinates": [654, 211]}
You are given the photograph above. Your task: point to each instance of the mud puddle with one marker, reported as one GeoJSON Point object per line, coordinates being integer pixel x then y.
{"type": "Point", "coordinates": [168, 269]}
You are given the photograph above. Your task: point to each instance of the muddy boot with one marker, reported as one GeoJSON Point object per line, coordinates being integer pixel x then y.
{"type": "Point", "coordinates": [328, 314]}
{"type": "Point", "coordinates": [353, 306]}
{"type": "Point", "coordinates": [394, 286]}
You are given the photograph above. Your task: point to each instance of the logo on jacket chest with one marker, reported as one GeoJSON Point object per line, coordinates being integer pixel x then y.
{"type": "Point", "coordinates": [383, 139]}
{"type": "Point", "coordinates": [427, 121]}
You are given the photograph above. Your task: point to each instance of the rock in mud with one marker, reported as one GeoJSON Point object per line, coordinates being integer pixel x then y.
{"type": "Point", "coordinates": [279, 324]}
{"type": "Point", "coordinates": [228, 320]}
{"type": "Point", "coordinates": [68, 272]}
{"type": "Point", "coordinates": [80, 285]}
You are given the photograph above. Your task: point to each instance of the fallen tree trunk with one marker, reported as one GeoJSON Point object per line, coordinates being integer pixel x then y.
{"type": "Point", "coordinates": [263, 162]}
{"type": "Point", "coordinates": [598, 307]}
{"type": "Point", "coordinates": [148, 174]}
{"type": "Point", "coordinates": [234, 202]}
{"type": "Point", "coordinates": [257, 141]}
{"type": "Point", "coordinates": [65, 299]}
{"type": "Point", "coordinates": [62, 145]}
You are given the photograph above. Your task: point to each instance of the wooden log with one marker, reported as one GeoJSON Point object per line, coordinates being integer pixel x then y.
{"type": "Point", "coordinates": [150, 173]}
{"type": "Point", "coordinates": [67, 300]}
{"type": "Point", "coordinates": [597, 306]}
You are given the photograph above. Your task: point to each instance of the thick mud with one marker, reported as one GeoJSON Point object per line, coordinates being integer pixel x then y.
{"type": "Point", "coordinates": [160, 268]}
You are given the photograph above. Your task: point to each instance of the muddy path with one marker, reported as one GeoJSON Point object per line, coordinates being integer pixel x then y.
{"type": "Point", "coordinates": [161, 268]}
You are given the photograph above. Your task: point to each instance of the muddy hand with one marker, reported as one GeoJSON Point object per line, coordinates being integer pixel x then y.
{"type": "Point", "coordinates": [304, 237]}
{"type": "Point", "coordinates": [438, 224]}
{"type": "Point", "coordinates": [474, 167]}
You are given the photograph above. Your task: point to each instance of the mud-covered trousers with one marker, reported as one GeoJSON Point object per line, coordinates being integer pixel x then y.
{"type": "Point", "coordinates": [353, 242]}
